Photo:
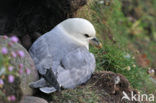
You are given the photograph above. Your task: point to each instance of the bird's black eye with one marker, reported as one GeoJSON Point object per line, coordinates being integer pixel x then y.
{"type": "Point", "coordinates": [86, 35]}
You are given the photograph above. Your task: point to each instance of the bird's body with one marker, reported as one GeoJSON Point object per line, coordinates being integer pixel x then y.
{"type": "Point", "coordinates": [69, 59]}
{"type": "Point", "coordinates": [47, 47]}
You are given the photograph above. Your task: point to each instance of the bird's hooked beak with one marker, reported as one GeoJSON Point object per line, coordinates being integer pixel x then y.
{"type": "Point", "coordinates": [95, 42]}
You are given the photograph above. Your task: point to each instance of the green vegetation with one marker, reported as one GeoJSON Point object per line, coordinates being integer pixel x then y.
{"type": "Point", "coordinates": [114, 30]}
{"type": "Point", "coordinates": [84, 94]}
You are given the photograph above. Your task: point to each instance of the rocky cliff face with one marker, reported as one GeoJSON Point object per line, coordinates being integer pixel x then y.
{"type": "Point", "coordinates": [27, 19]}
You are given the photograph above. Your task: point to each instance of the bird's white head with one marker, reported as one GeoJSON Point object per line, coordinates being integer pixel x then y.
{"type": "Point", "coordinates": [80, 30]}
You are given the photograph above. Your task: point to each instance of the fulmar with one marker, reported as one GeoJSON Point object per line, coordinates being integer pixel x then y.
{"type": "Point", "coordinates": [62, 55]}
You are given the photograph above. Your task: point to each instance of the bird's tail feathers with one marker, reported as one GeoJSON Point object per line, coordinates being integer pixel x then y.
{"type": "Point", "coordinates": [48, 90]}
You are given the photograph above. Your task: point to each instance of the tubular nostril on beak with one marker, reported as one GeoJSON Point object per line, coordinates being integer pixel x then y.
{"type": "Point", "coordinates": [96, 42]}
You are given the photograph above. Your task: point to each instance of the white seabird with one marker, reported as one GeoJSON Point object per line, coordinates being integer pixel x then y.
{"type": "Point", "coordinates": [61, 55]}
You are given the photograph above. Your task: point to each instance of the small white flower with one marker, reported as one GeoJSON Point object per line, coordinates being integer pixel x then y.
{"type": "Point", "coordinates": [127, 56]}
{"type": "Point", "coordinates": [151, 71]}
{"type": "Point", "coordinates": [134, 65]}
{"type": "Point", "coordinates": [117, 80]}
{"type": "Point", "coordinates": [101, 2]}
{"type": "Point", "coordinates": [133, 57]}
{"type": "Point", "coordinates": [128, 68]}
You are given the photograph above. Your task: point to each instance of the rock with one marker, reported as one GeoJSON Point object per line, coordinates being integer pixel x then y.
{"type": "Point", "coordinates": [31, 99]}
{"type": "Point", "coordinates": [24, 78]}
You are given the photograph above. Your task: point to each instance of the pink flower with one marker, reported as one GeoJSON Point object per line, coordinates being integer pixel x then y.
{"type": "Point", "coordinates": [4, 50]}
{"type": "Point", "coordinates": [13, 54]}
{"type": "Point", "coordinates": [28, 71]}
{"type": "Point", "coordinates": [10, 68]}
{"type": "Point", "coordinates": [20, 71]}
{"type": "Point", "coordinates": [11, 98]}
{"type": "Point", "coordinates": [1, 82]}
{"type": "Point", "coordinates": [10, 44]}
{"type": "Point", "coordinates": [11, 78]}
{"type": "Point", "coordinates": [21, 53]}
{"type": "Point", "coordinates": [21, 66]}
{"type": "Point", "coordinates": [14, 39]}
{"type": "Point", "coordinates": [5, 37]}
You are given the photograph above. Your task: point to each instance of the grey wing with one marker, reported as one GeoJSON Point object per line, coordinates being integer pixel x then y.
{"type": "Point", "coordinates": [76, 68]}
{"type": "Point", "coordinates": [40, 54]}
{"type": "Point", "coordinates": [43, 60]}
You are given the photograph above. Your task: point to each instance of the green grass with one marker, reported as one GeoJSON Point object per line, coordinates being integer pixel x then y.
{"type": "Point", "coordinates": [111, 25]}
{"type": "Point", "coordinates": [83, 94]}
{"type": "Point", "coordinates": [114, 59]}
